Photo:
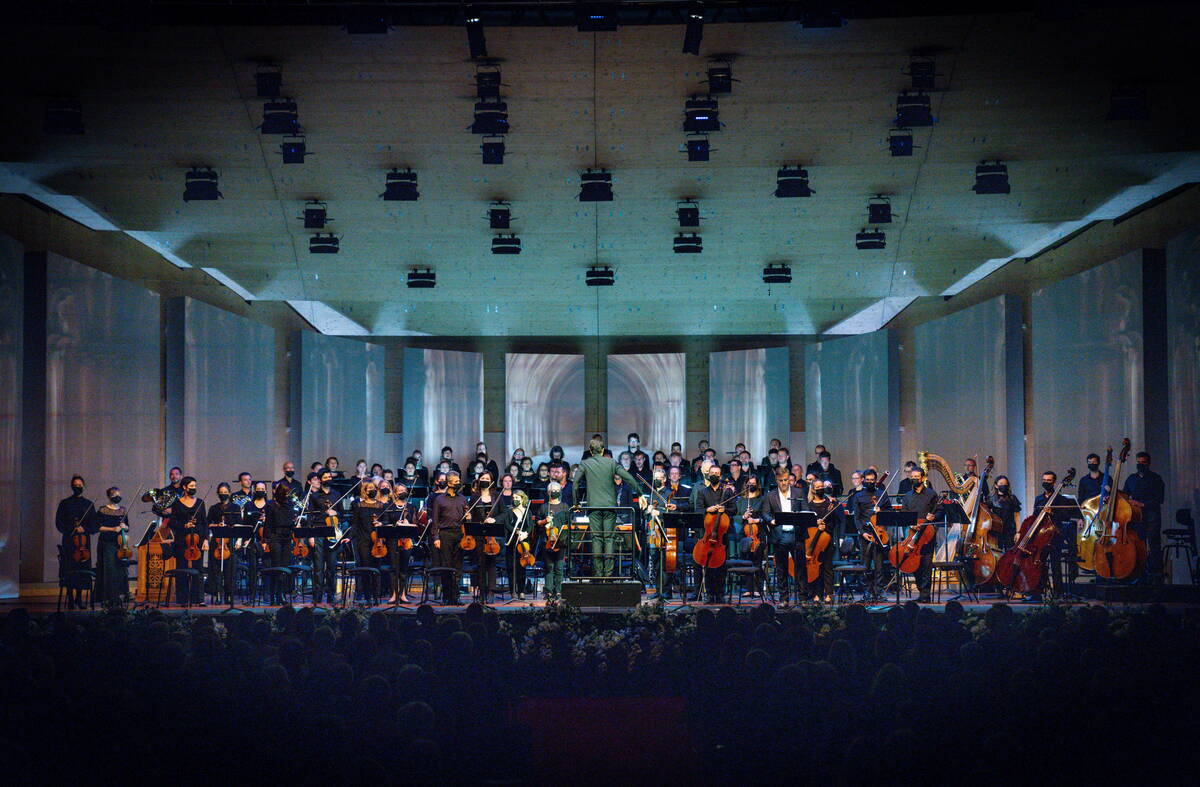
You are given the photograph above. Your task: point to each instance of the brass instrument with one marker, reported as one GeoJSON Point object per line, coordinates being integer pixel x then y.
{"type": "Point", "coordinates": [960, 487]}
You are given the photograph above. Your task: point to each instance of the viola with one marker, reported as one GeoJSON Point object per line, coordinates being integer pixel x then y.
{"type": "Point", "coordinates": [1119, 552]}
{"type": "Point", "coordinates": [524, 554]}
{"type": "Point", "coordinates": [81, 548]}
{"type": "Point", "coordinates": [191, 545]}
{"type": "Point", "coordinates": [299, 548]}
{"type": "Point", "coordinates": [1023, 566]}
{"type": "Point", "coordinates": [491, 546]}
{"type": "Point", "coordinates": [219, 550]}
{"type": "Point", "coordinates": [123, 550]}
{"type": "Point", "coordinates": [878, 533]}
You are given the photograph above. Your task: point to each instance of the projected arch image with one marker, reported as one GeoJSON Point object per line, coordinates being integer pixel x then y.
{"type": "Point", "coordinates": [646, 395]}
{"type": "Point", "coordinates": [544, 403]}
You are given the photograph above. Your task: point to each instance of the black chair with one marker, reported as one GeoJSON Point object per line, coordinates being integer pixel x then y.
{"type": "Point", "coordinates": [436, 572]}
{"type": "Point", "coordinates": [848, 578]}
{"type": "Point", "coordinates": [81, 579]}
{"type": "Point", "coordinates": [942, 569]}
{"type": "Point", "coordinates": [366, 579]}
{"type": "Point", "coordinates": [737, 572]}
{"type": "Point", "coordinates": [282, 575]}
{"type": "Point", "coordinates": [302, 580]}
{"type": "Point", "coordinates": [194, 577]}
{"type": "Point", "coordinates": [1182, 541]}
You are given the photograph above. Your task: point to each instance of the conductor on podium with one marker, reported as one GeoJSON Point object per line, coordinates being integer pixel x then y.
{"type": "Point", "coordinates": [598, 472]}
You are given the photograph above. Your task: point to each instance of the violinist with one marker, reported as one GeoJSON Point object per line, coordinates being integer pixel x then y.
{"type": "Point", "coordinates": [74, 518]}
{"type": "Point", "coordinates": [447, 515]}
{"type": "Point", "coordinates": [223, 513]}
{"type": "Point", "coordinates": [187, 520]}
{"type": "Point", "coordinates": [112, 581]}
{"type": "Point", "coordinates": [1005, 505]}
{"type": "Point", "coordinates": [863, 504]}
{"type": "Point", "coordinates": [829, 515]}
{"type": "Point", "coordinates": [399, 550]}
{"type": "Point", "coordinates": [712, 498]}
{"type": "Point", "coordinates": [518, 531]}
{"type": "Point", "coordinates": [279, 518]}
{"type": "Point", "coordinates": [784, 500]}
{"type": "Point", "coordinates": [552, 522]}
{"type": "Point", "coordinates": [320, 506]}
{"type": "Point", "coordinates": [254, 515]}
{"type": "Point", "coordinates": [1147, 487]}
{"type": "Point", "coordinates": [484, 504]}
{"type": "Point", "coordinates": [750, 507]}
{"type": "Point", "coordinates": [923, 501]}
{"type": "Point", "coordinates": [364, 517]}
{"type": "Point", "coordinates": [294, 487]}
{"type": "Point", "coordinates": [1063, 513]}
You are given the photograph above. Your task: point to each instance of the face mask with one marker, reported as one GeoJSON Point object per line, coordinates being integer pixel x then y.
{"type": "Point", "coordinates": [714, 479]}
{"type": "Point", "coordinates": [222, 496]}
{"type": "Point", "coordinates": [869, 485]}
{"type": "Point", "coordinates": [191, 490]}
{"type": "Point", "coordinates": [1002, 489]}
{"type": "Point", "coordinates": [289, 473]}
{"type": "Point", "coordinates": [1049, 487]}
{"type": "Point", "coordinates": [372, 493]}
{"type": "Point", "coordinates": [1093, 466]}
{"type": "Point", "coordinates": [115, 499]}
{"type": "Point", "coordinates": [260, 495]}
{"type": "Point", "coordinates": [77, 490]}
{"type": "Point", "coordinates": [1142, 469]}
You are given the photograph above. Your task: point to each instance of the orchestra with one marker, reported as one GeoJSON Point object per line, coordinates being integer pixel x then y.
{"type": "Point", "coordinates": [611, 518]}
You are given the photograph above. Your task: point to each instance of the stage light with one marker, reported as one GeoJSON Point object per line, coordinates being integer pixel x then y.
{"type": "Point", "coordinates": [596, 17]}
{"type": "Point", "coordinates": [792, 182]}
{"type": "Point", "coordinates": [491, 117]}
{"type": "Point", "coordinates": [689, 213]}
{"type": "Point", "coordinates": [63, 116]}
{"type": "Point", "coordinates": [700, 115]}
{"type": "Point", "coordinates": [294, 150]}
{"type": "Point", "coordinates": [688, 243]}
{"type": "Point", "coordinates": [879, 210]}
{"type": "Point", "coordinates": [720, 79]}
{"type": "Point", "coordinates": [506, 244]}
{"type": "Point", "coordinates": [499, 215]}
{"type": "Point", "coordinates": [697, 149]}
{"type": "Point", "coordinates": [476, 40]}
{"type": "Point", "coordinates": [323, 243]}
{"type": "Point", "coordinates": [400, 186]}
{"type": "Point", "coordinates": [419, 279]}
{"type": "Point", "coordinates": [777, 273]}
{"type": "Point", "coordinates": [599, 276]}
{"type": "Point", "coordinates": [870, 239]}
{"type": "Point", "coordinates": [200, 184]}
{"type": "Point", "coordinates": [268, 81]}
{"type": "Point", "coordinates": [991, 178]}
{"type": "Point", "coordinates": [366, 20]}
{"type": "Point", "coordinates": [1127, 102]}
{"type": "Point", "coordinates": [913, 110]}
{"type": "Point", "coordinates": [280, 117]}
{"type": "Point", "coordinates": [923, 72]}
{"type": "Point", "coordinates": [694, 30]}
{"type": "Point", "coordinates": [493, 150]}
{"type": "Point", "coordinates": [316, 215]}
{"type": "Point", "coordinates": [487, 83]}
{"type": "Point", "coordinates": [595, 186]}
{"type": "Point", "coordinates": [900, 142]}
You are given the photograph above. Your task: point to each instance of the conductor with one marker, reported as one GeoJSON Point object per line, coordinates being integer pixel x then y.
{"type": "Point", "coordinates": [598, 472]}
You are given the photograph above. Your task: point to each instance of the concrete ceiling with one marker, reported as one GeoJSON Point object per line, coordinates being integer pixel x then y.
{"type": "Point", "coordinates": [1032, 93]}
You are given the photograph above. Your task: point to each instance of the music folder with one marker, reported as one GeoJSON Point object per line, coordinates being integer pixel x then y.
{"type": "Point", "coordinates": [798, 521]}
{"type": "Point", "coordinates": [684, 522]}
{"type": "Point", "coordinates": [390, 532]}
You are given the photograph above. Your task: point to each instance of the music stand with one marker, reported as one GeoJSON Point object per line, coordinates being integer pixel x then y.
{"type": "Point", "coordinates": [232, 533]}
{"type": "Point", "coordinates": [482, 530]}
{"type": "Point", "coordinates": [799, 522]}
{"type": "Point", "coordinates": [897, 522]}
{"type": "Point", "coordinates": [684, 523]}
{"type": "Point", "coordinates": [395, 533]}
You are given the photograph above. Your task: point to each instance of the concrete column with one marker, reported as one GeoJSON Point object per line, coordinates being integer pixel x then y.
{"type": "Point", "coordinates": [796, 385]}
{"type": "Point", "coordinates": [1014, 389]}
{"type": "Point", "coordinates": [895, 443]}
{"type": "Point", "coordinates": [172, 322]}
{"type": "Point", "coordinates": [495, 412]}
{"type": "Point", "coordinates": [595, 390]}
{"type": "Point", "coordinates": [1155, 362]}
{"type": "Point", "coordinates": [906, 369]}
{"type": "Point", "coordinates": [696, 385]}
{"type": "Point", "coordinates": [294, 383]}
{"type": "Point", "coordinates": [393, 389]}
{"type": "Point", "coordinates": [32, 503]}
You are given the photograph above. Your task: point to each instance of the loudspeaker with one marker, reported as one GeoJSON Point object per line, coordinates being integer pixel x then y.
{"type": "Point", "coordinates": [603, 593]}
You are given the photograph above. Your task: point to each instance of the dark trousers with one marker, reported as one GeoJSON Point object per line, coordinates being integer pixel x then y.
{"type": "Point", "coordinates": [823, 584]}
{"type": "Point", "coordinates": [364, 559]}
{"type": "Point", "coordinates": [924, 572]}
{"type": "Point", "coordinates": [400, 559]}
{"type": "Point", "coordinates": [323, 563]}
{"type": "Point", "coordinates": [279, 556]}
{"type": "Point", "coordinates": [603, 529]}
{"type": "Point", "coordinates": [516, 572]}
{"type": "Point", "coordinates": [874, 556]}
{"type": "Point", "coordinates": [1151, 532]}
{"type": "Point", "coordinates": [221, 574]}
{"type": "Point", "coordinates": [253, 554]}
{"type": "Point", "coordinates": [450, 557]}
{"type": "Point", "coordinates": [185, 588]}
{"type": "Point", "coordinates": [784, 548]}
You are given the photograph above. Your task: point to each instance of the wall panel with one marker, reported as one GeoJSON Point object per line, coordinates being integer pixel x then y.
{"type": "Point", "coordinates": [646, 395]}
{"type": "Point", "coordinates": [748, 399]}
{"type": "Point", "coordinates": [1183, 337]}
{"type": "Point", "coordinates": [12, 283]}
{"type": "Point", "coordinates": [544, 402]}
{"type": "Point", "coordinates": [846, 390]}
{"type": "Point", "coordinates": [443, 402]}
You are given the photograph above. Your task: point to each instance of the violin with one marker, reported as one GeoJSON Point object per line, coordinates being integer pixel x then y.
{"type": "Point", "coordinates": [1119, 552]}
{"type": "Point", "coordinates": [82, 548]}
{"type": "Point", "coordinates": [299, 548]}
{"type": "Point", "coordinates": [1022, 567]}
{"type": "Point", "coordinates": [378, 546]}
{"type": "Point", "coordinates": [123, 550]}
{"type": "Point", "coordinates": [191, 545]}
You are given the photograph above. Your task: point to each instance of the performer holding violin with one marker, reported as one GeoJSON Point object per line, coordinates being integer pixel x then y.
{"type": "Point", "coordinates": [222, 565]}
{"type": "Point", "coordinates": [784, 499]}
{"type": "Point", "coordinates": [924, 502]}
{"type": "Point", "coordinates": [552, 527]}
{"type": "Point", "coordinates": [320, 511]}
{"type": "Point", "coordinates": [597, 471]}
{"type": "Point", "coordinates": [483, 510]}
{"type": "Point", "coordinates": [189, 530]}
{"type": "Point", "coordinates": [448, 511]}
{"type": "Point", "coordinates": [752, 540]}
{"type": "Point", "coordinates": [866, 503]}
{"type": "Point", "coordinates": [111, 522]}
{"type": "Point", "coordinates": [254, 515]}
{"type": "Point", "coordinates": [74, 520]}
{"type": "Point", "coordinates": [820, 543]}
{"type": "Point", "coordinates": [364, 517]}
{"type": "Point", "coordinates": [399, 549]}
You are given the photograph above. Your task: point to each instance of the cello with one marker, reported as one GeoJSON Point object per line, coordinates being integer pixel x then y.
{"type": "Point", "coordinates": [816, 542]}
{"type": "Point", "coordinates": [980, 545]}
{"type": "Point", "coordinates": [1119, 551]}
{"type": "Point", "coordinates": [1085, 540]}
{"type": "Point", "coordinates": [709, 551]}
{"type": "Point", "coordinates": [1022, 567]}
{"type": "Point", "coordinates": [906, 555]}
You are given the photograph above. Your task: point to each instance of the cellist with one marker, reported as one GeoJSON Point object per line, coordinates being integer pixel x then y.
{"type": "Point", "coordinates": [1063, 513]}
{"type": "Point", "coordinates": [923, 501]}
{"type": "Point", "coordinates": [822, 503]}
{"type": "Point", "coordinates": [712, 498]}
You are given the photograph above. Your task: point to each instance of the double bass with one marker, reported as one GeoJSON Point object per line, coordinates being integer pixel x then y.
{"type": "Point", "coordinates": [1085, 539]}
{"type": "Point", "coordinates": [1022, 567]}
{"type": "Point", "coordinates": [1119, 552]}
{"type": "Point", "coordinates": [980, 544]}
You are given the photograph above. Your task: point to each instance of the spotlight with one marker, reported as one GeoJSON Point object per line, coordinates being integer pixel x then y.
{"type": "Point", "coordinates": [315, 215]}
{"type": "Point", "coordinates": [720, 79]}
{"type": "Point", "coordinates": [792, 182]}
{"type": "Point", "coordinates": [900, 142]}
{"type": "Point", "coordinates": [879, 210]}
{"type": "Point", "coordinates": [280, 117]}
{"type": "Point", "coordinates": [200, 184]}
{"type": "Point", "coordinates": [694, 30]}
{"type": "Point", "coordinates": [493, 150]}
{"type": "Point", "coordinates": [487, 83]}
{"type": "Point", "coordinates": [596, 17]}
{"type": "Point", "coordinates": [366, 20]}
{"type": "Point", "coordinates": [476, 40]}
{"type": "Point", "coordinates": [63, 116]}
{"type": "Point", "coordinates": [923, 72]}
{"type": "Point", "coordinates": [422, 279]}
{"type": "Point", "coordinates": [491, 117]}
{"type": "Point", "coordinates": [400, 186]}
{"type": "Point", "coordinates": [688, 243]}
{"type": "Point", "coordinates": [599, 276]}
{"type": "Point", "coordinates": [689, 213]}
{"type": "Point", "coordinates": [1127, 102]}
{"type": "Point", "coordinates": [294, 150]}
{"type": "Point", "coordinates": [870, 239]}
{"type": "Point", "coordinates": [267, 82]}
{"type": "Point", "coordinates": [991, 178]}
{"type": "Point", "coordinates": [595, 186]}
{"type": "Point", "coordinates": [323, 243]}
{"type": "Point", "coordinates": [700, 115]}
{"type": "Point", "coordinates": [499, 215]}
{"type": "Point", "coordinates": [697, 149]}
{"type": "Point", "coordinates": [913, 110]}
{"type": "Point", "coordinates": [777, 273]}
{"type": "Point", "coordinates": [506, 244]}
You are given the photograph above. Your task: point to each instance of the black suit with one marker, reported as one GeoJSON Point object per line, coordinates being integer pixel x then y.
{"type": "Point", "coordinates": [786, 543]}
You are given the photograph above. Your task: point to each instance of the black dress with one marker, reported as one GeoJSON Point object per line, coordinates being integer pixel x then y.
{"type": "Point", "coordinates": [186, 520]}
{"type": "Point", "coordinates": [112, 581]}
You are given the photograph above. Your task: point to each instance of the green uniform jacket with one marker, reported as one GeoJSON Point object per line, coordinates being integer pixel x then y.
{"type": "Point", "coordinates": [598, 472]}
